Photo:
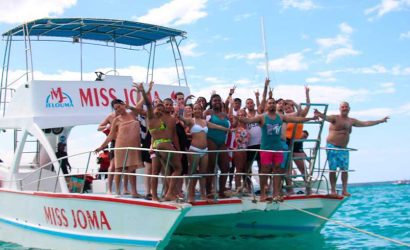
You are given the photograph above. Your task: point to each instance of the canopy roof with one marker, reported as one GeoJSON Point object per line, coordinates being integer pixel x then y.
{"type": "Point", "coordinates": [103, 30]}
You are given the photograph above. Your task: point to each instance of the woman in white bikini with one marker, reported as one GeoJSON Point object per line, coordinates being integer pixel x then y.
{"type": "Point", "coordinates": [198, 162]}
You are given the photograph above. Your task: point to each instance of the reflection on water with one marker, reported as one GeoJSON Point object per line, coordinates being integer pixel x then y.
{"type": "Point", "coordinates": [304, 241]}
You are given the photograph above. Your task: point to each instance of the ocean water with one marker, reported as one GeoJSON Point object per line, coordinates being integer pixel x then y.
{"type": "Point", "coordinates": [380, 209]}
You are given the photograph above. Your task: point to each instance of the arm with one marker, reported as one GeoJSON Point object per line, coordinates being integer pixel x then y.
{"type": "Point", "coordinates": [297, 119]}
{"type": "Point", "coordinates": [111, 136]}
{"type": "Point", "coordinates": [258, 119]}
{"type": "Point", "coordinates": [188, 98]}
{"type": "Point", "coordinates": [258, 103]}
{"type": "Point", "coordinates": [357, 123]}
{"type": "Point", "coordinates": [103, 124]}
{"type": "Point", "coordinates": [216, 126]}
{"type": "Point", "coordinates": [187, 122]}
{"type": "Point", "coordinates": [329, 118]}
{"type": "Point", "coordinates": [305, 111]}
{"type": "Point", "coordinates": [261, 107]}
{"type": "Point", "coordinates": [229, 98]}
{"type": "Point", "coordinates": [150, 111]}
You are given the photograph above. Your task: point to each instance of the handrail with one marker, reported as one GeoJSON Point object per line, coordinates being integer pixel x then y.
{"type": "Point", "coordinates": [85, 171]}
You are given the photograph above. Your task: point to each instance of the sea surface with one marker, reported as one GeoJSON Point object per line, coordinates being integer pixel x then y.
{"type": "Point", "coordinates": [383, 209]}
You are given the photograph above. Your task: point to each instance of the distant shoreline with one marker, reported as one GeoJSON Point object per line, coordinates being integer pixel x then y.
{"type": "Point", "coordinates": [373, 183]}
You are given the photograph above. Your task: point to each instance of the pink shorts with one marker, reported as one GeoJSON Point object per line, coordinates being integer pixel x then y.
{"type": "Point", "coordinates": [270, 158]}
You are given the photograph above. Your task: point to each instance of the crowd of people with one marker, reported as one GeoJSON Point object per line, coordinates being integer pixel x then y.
{"type": "Point", "coordinates": [186, 137]}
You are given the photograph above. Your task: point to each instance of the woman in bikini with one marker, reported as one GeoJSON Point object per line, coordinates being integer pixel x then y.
{"type": "Point", "coordinates": [199, 162]}
{"type": "Point", "coordinates": [125, 130]}
{"type": "Point", "coordinates": [241, 142]}
{"type": "Point", "coordinates": [216, 141]}
{"type": "Point", "coordinates": [161, 139]}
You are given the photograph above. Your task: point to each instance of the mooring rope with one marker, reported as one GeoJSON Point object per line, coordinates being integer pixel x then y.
{"type": "Point", "coordinates": [349, 226]}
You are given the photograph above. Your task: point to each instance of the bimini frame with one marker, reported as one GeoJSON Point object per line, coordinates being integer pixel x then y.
{"type": "Point", "coordinates": [118, 34]}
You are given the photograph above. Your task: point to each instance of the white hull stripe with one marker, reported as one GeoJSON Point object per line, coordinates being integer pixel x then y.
{"type": "Point", "coordinates": [98, 239]}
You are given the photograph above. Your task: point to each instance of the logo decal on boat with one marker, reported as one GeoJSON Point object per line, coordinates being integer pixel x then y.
{"type": "Point", "coordinates": [58, 99]}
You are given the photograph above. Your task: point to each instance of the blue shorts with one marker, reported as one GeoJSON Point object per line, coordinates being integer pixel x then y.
{"type": "Point", "coordinates": [337, 158]}
{"type": "Point", "coordinates": [285, 147]}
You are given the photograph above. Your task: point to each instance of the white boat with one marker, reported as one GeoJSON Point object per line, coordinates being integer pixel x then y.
{"type": "Point", "coordinates": [37, 209]}
{"type": "Point", "coordinates": [36, 206]}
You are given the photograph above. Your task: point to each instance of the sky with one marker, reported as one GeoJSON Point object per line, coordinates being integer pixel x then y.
{"type": "Point", "coordinates": [344, 50]}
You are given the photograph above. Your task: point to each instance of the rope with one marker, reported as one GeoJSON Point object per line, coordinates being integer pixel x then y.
{"type": "Point", "coordinates": [349, 226]}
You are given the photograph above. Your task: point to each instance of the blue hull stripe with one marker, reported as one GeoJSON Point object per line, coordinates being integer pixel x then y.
{"type": "Point", "coordinates": [276, 227]}
{"type": "Point", "coordinates": [146, 243]}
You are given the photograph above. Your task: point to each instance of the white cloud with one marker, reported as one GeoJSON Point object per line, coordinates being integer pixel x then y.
{"type": "Point", "coordinates": [386, 88]}
{"type": "Point", "coordinates": [341, 52]}
{"type": "Point", "coordinates": [375, 69]}
{"type": "Point", "coordinates": [398, 70]}
{"type": "Point", "coordinates": [249, 56]}
{"type": "Point", "coordinates": [345, 28]}
{"type": "Point", "coordinates": [339, 40]}
{"type": "Point", "coordinates": [291, 62]}
{"type": "Point", "coordinates": [215, 80]}
{"type": "Point", "coordinates": [188, 50]}
{"type": "Point", "coordinates": [176, 12]}
{"type": "Point", "coordinates": [405, 35]}
{"type": "Point", "coordinates": [320, 79]}
{"type": "Point", "coordinates": [338, 46]}
{"type": "Point", "coordinates": [18, 11]}
{"type": "Point", "coordinates": [375, 113]}
{"type": "Point", "coordinates": [386, 6]}
{"type": "Point", "coordinates": [299, 4]}
{"type": "Point", "coordinates": [242, 17]}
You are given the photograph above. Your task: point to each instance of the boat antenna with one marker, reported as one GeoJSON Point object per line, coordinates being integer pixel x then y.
{"type": "Point", "coordinates": [265, 51]}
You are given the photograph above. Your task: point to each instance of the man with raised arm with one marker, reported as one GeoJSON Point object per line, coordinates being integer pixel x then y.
{"type": "Point", "coordinates": [271, 127]}
{"type": "Point", "coordinates": [338, 138]}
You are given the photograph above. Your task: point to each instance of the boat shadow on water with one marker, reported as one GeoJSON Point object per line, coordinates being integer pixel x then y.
{"type": "Point", "coordinates": [301, 241]}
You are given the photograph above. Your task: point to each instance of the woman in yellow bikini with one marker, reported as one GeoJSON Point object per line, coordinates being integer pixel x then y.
{"type": "Point", "coordinates": [161, 139]}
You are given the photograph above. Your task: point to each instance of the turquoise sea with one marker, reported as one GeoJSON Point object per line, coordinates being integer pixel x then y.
{"type": "Point", "coordinates": [383, 209]}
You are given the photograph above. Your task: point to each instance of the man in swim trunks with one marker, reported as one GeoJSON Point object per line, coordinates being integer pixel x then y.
{"type": "Point", "coordinates": [271, 126]}
{"type": "Point", "coordinates": [338, 138]}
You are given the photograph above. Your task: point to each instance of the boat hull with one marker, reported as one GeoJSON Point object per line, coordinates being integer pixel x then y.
{"type": "Point", "coordinates": [62, 221]}
{"type": "Point", "coordinates": [247, 218]}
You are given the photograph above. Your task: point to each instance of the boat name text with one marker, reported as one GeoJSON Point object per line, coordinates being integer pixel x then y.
{"type": "Point", "coordinates": [84, 219]}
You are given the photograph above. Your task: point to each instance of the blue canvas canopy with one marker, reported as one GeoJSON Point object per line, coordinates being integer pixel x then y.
{"type": "Point", "coordinates": [103, 30]}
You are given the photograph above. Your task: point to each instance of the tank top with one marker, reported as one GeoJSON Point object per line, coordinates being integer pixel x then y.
{"type": "Point", "coordinates": [271, 133]}
{"type": "Point", "coordinates": [255, 134]}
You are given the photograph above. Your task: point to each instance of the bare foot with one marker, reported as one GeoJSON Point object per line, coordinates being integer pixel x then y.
{"type": "Point", "coordinates": [333, 195]}
{"type": "Point", "coordinates": [126, 192]}
{"type": "Point", "coordinates": [278, 198]}
{"type": "Point", "coordinates": [222, 196]}
{"type": "Point", "coordinates": [155, 198]}
{"type": "Point", "coordinates": [345, 193]}
{"type": "Point", "coordinates": [265, 199]}
{"type": "Point", "coordinates": [136, 195]}
{"type": "Point", "coordinates": [170, 197]}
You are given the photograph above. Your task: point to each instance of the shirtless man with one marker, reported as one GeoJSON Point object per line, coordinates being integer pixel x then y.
{"type": "Point", "coordinates": [338, 138]}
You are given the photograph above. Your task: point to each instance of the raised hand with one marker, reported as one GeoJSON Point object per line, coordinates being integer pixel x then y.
{"type": "Point", "coordinates": [257, 94]}
{"type": "Point", "coordinates": [232, 90]}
